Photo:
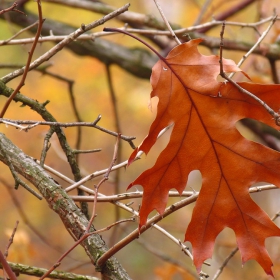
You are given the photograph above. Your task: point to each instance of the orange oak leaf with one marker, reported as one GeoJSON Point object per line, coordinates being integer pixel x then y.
{"type": "Point", "coordinates": [204, 137]}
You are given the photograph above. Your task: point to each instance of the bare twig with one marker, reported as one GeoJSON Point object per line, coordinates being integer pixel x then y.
{"type": "Point", "coordinates": [178, 32]}
{"type": "Point", "coordinates": [77, 146]}
{"type": "Point", "coordinates": [123, 164]}
{"type": "Point", "coordinates": [46, 146]}
{"type": "Point", "coordinates": [86, 151]}
{"type": "Point", "coordinates": [106, 29]}
{"type": "Point", "coordinates": [77, 115]}
{"type": "Point", "coordinates": [94, 175]}
{"type": "Point", "coordinates": [237, 8]}
{"type": "Point", "coordinates": [62, 205]}
{"type": "Point", "coordinates": [167, 23]}
{"type": "Point", "coordinates": [139, 194]}
{"type": "Point", "coordinates": [85, 236]}
{"type": "Point", "coordinates": [11, 240]}
{"type": "Point", "coordinates": [38, 271]}
{"type": "Point", "coordinates": [87, 232]}
{"type": "Point", "coordinates": [30, 124]}
{"type": "Point", "coordinates": [70, 38]}
{"type": "Point", "coordinates": [10, 9]}
{"type": "Point", "coordinates": [245, 56]}
{"type": "Point", "coordinates": [117, 121]}
{"type": "Point", "coordinates": [233, 252]}
{"type": "Point", "coordinates": [151, 222]}
{"type": "Point", "coordinates": [26, 69]}
{"type": "Point", "coordinates": [5, 42]}
{"type": "Point", "coordinates": [125, 196]}
{"type": "Point", "coordinates": [7, 268]}
{"type": "Point", "coordinates": [225, 262]}
{"type": "Point", "coordinates": [117, 203]}
{"type": "Point", "coordinates": [105, 178]}
{"type": "Point", "coordinates": [275, 115]}
{"type": "Point", "coordinates": [51, 38]}
{"type": "Point", "coordinates": [114, 199]}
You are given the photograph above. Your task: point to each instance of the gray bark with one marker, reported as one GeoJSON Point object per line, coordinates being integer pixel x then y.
{"type": "Point", "coordinates": [58, 200]}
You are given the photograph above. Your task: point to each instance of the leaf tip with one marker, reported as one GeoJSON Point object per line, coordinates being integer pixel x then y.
{"type": "Point", "coordinates": [198, 269]}
{"type": "Point", "coordinates": [132, 156]}
{"type": "Point", "coordinates": [130, 185]}
{"type": "Point", "coordinates": [269, 272]}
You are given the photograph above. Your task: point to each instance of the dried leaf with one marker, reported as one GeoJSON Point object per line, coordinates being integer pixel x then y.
{"type": "Point", "coordinates": [204, 112]}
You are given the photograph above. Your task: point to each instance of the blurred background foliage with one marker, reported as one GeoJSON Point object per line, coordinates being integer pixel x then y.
{"type": "Point", "coordinates": [144, 258]}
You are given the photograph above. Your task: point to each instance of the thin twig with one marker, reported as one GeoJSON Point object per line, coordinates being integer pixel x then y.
{"type": "Point", "coordinates": [87, 232]}
{"type": "Point", "coordinates": [5, 42]}
{"type": "Point", "coordinates": [77, 146]}
{"type": "Point", "coordinates": [178, 32]}
{"type": "Point", "coordinates": [151, 222]}
{"type": "Point", "coordinates": [94, 175]}
{"type": "Point", "coordinates": [38, 271]}
{"type": "Point", "coordinates": [131, 195]}
{"type": "Point", "coordinates": [77, 115]}
{"type": "Point", "coordinates": [7, 268]}
{"type": "Point", "coordinates": [61, 124]}
{"type": "Point", "coordinates": [50, 38]}
{"type": "Point", "coordinates": [255, 45]}
{"type": "Point", "coordinates": [275, 115]}
{"type": "Point", "coordinates": [233, 252]}
{"type": "Point", "coordinates": [11, 240]}
{"type": "Point", "coordinates": [117, 121]}
{"type": "Point", "coordinates": [276, 216]}
{"type": "Point", "coordinates": [85, 236]}
{"type": "Point", "coordinates": [123, 164]}
{"type": "Point", "coordinates": [120, 165]}
{"type": "Point", "coordinates": [114, 199]}
{"type": "Point", "coordinates": [106, 29]}
{"type": "Point", "coordinates": [125, 196]}
{"type": "Point", "coordinates": [105, 178]}
{"type": "Point", "coordinates": [10, 9]}
{"type": "Point", "coordinates": [32, 124]}
{"type": "Point", "coordinates": [86, 151]}
{"type": "Point", "coordinates": [233, 10]}
{"type": "Point", "coordinates": [225, 262]}
{"type": "Point", "coordinates": [46, 146]}
{"type": "Point", "coordinates": [26, 69]}
{"type": "Point", "coordinates": [117, 203]}
{"type": "Point", "coordinates": [139, 194]}
{"type": "Point", "coordinates": [167, 23]}
{"type": "Point", "coordinates": [70, 38]}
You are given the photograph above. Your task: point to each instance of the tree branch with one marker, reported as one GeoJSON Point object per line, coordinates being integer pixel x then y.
{"type": "Point", "coordinates": [27, 66]}
{"type": "Point", "coordinates": [37, 271]}
{"type": "Point", "coordinates": [136, 61]}
{"type": "Point", "coordinates": [72, 217]}
{"type": "Point", "coordinates": [140, 61]}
